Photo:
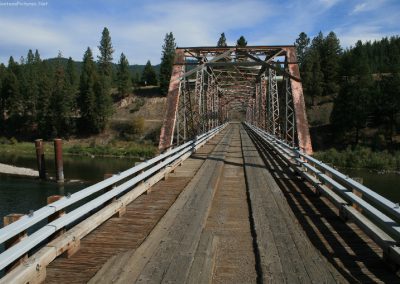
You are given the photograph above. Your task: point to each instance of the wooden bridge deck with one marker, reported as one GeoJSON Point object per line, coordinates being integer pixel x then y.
{"type": "Point", "coordinates": [228, 215]}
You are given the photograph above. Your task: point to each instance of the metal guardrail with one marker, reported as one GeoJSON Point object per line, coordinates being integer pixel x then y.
{"type": "Point", "coordinates": [377, 216]}
{"type": "Point", "coordinates": [133, 176]}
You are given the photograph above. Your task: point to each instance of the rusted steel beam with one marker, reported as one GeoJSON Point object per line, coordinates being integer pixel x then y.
{"type": "Point", "coordinates": [264, 68]}
{"type": "Point", "coordinates": [253, 47]}
{"type": "Point", "coordinates": [271, 66]}
{"type": "Point", "coordinates": [216, 58]}
{"type": "Point", "coordinates": [303, 132]}
{"type": "Point", "coordinates": [167, 130]}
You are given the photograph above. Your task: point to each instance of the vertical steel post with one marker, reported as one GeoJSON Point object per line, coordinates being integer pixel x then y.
{"type": "Point", "coordinates": [274, 97]}
{"type": "Point", "coordinates": [289, 114]}
{"type": "Point", "coordinates": [302, 130]}
{"type": "Point", "coordinates": [58, 160]}
{"type": "Point", "coordinates": [167, 130]}
{"type": "Point", "coordinates": [40, 158]}
{"type": "Point", "coordinates": [263, 90]}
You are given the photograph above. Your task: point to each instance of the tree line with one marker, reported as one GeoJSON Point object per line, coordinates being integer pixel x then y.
{"type": "Point", "coordinates": [362, 81]}
{"type": "Point", "coordinates": [48, 98]}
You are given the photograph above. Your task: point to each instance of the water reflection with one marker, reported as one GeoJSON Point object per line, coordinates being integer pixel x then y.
{"type": "Point", "coordinates": [19, 195]}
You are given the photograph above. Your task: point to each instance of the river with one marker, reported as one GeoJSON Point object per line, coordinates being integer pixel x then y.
{"type": "Point", "coordinates": [20, 195]}
{"type": "Point", "coordinates": [387, 185]}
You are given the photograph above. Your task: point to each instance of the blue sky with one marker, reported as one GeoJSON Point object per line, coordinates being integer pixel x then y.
{"type": "Point", "coordinates": [138, 27]}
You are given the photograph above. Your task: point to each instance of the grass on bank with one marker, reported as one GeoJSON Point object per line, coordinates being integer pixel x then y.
{"type": "Point", "coordinates": [361, 157]}
{"type": "Point", "coordinates": [115, 148]}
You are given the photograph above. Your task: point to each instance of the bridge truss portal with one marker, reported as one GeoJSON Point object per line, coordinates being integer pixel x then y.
{"type": "Point", "coordinates": [259, 84]}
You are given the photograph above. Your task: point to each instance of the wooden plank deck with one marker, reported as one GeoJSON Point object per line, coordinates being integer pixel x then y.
{"type": "Point", "coordinates": [119, 235]}
{"type": "Point", "coordinates": [286, 254]}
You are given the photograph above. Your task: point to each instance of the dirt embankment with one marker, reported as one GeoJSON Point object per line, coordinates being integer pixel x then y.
{"type": "Point", "coordinates": [142, 104]}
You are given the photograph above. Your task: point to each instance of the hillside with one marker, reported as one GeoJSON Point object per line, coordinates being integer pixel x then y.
{"type": "Point", "coordinates": [137, 118]}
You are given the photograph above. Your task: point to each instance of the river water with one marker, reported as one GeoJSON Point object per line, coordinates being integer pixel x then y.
{"type": "Point", "coordinates": [20, 195]}
{"type": "Point", "coordinates": [387, 185]}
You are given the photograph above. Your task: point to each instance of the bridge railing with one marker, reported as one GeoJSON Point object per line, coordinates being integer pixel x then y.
{"type": "Point", "coordinates": [139, 177]}
{"type": "Point", "coordinates": [377, 216]}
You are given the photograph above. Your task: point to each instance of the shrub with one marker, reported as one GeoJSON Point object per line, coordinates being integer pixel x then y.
{"type": "Point", "coordinates": [361, 157]}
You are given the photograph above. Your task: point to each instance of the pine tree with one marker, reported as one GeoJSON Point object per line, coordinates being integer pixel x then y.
{"type": "Point", "coordinates": [103, 104]}
{"type": "Point", "coordinates": [87, 95]}
{"type": "Point", "coordinates": [57, 99]}
{"type": "Point", "coordinates": [330, 59]}
{"type": "Point", "coordinates": [149, 77]}
{"type": "Point", "coordinates": [241, 42]}
{"type": "Point", "coordinates": [44, 113]}
{"type": "Point", "coordinates": [352, 106]}
{"type": "Point", "coordinates": [124, 76]}
{"type": "Point", "coordinates": [311, 71]}
{"type": "Point", "coordinates": [136, 79]}
{"type": "Point", "coordinates": [317, 43]}
{"type": "Point", "coordinates": [222, 41]}
{"type": "Point", "coordinates": [29, 87]}
{"type": "Point", "coordinates": [13, 103]}
{"type": "Point", "coordinates": [13, 66]}
{"type": "Point", "coordinates": [12, 90]}
{"type": "Point", "coordinates": [167, 60]}
{"type": "Point", "coordinates": [302, 43]}
{"type": "Point", "coordinates": [37, 57]}
{"type": "Point", "coordinates": [387, 104]}
{"type": "Point", "coordinates": [3, 73]}
{"type": "Point", "coordinates": [105, 59]}
{"type": "Point", "coordinates": [71, 74]}
{"type": "Point", "coordinates": [102, 89]}
{"type": "Point", "coordinates": [312, 76]}
{"type": "Point", "coordinates": [30, 57]}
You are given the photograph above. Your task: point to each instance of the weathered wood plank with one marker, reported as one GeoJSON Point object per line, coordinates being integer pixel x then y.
{"type": "Point", "coordinates": [276, 226]}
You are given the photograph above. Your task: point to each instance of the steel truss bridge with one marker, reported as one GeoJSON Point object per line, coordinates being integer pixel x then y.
{"type": "Point", "coordinates": [210, 85]}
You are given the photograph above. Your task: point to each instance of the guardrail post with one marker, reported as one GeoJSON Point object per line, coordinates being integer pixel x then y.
{"type": "Point", "coordinates": [58, 160]}
{"type": "Point", "coordinates": [40, 158]}
{"type": "Point", "coordinates": [56, 215]}
{"type": "Point", "coordinates": [168, 170]}
{"type": "Point", "coordinates": [148, 191]}
{"type": "Point", "coordinates": [122, 210]}
{"type": "Point", "coordinates": [73, 247]}
{"type": "Point", "coordinates": [357, 193]}
{"type": "Point", "coordinates": [106, 176]}
{"type": "Point", "coordinates": [11, 218]}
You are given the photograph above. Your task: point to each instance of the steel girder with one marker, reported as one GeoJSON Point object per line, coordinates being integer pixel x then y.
{"type": "Point", "coordinates": [210, 83]}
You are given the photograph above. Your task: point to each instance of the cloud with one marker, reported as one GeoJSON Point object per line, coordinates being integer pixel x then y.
{"type": "Point", "coordinates": [367, 5]}
{"type": "Point", "coordinates": [360, 8]}
{"type": "Point", "coordinates": [328, 3]}
{"type": "Point", "coordinates": [138, 30]}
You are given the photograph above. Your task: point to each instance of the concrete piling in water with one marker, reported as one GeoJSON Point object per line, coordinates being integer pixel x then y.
{"type": "Point", "coordinates": [40, 158]}
{"type": "Point", "coordinates": [58, 160]}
